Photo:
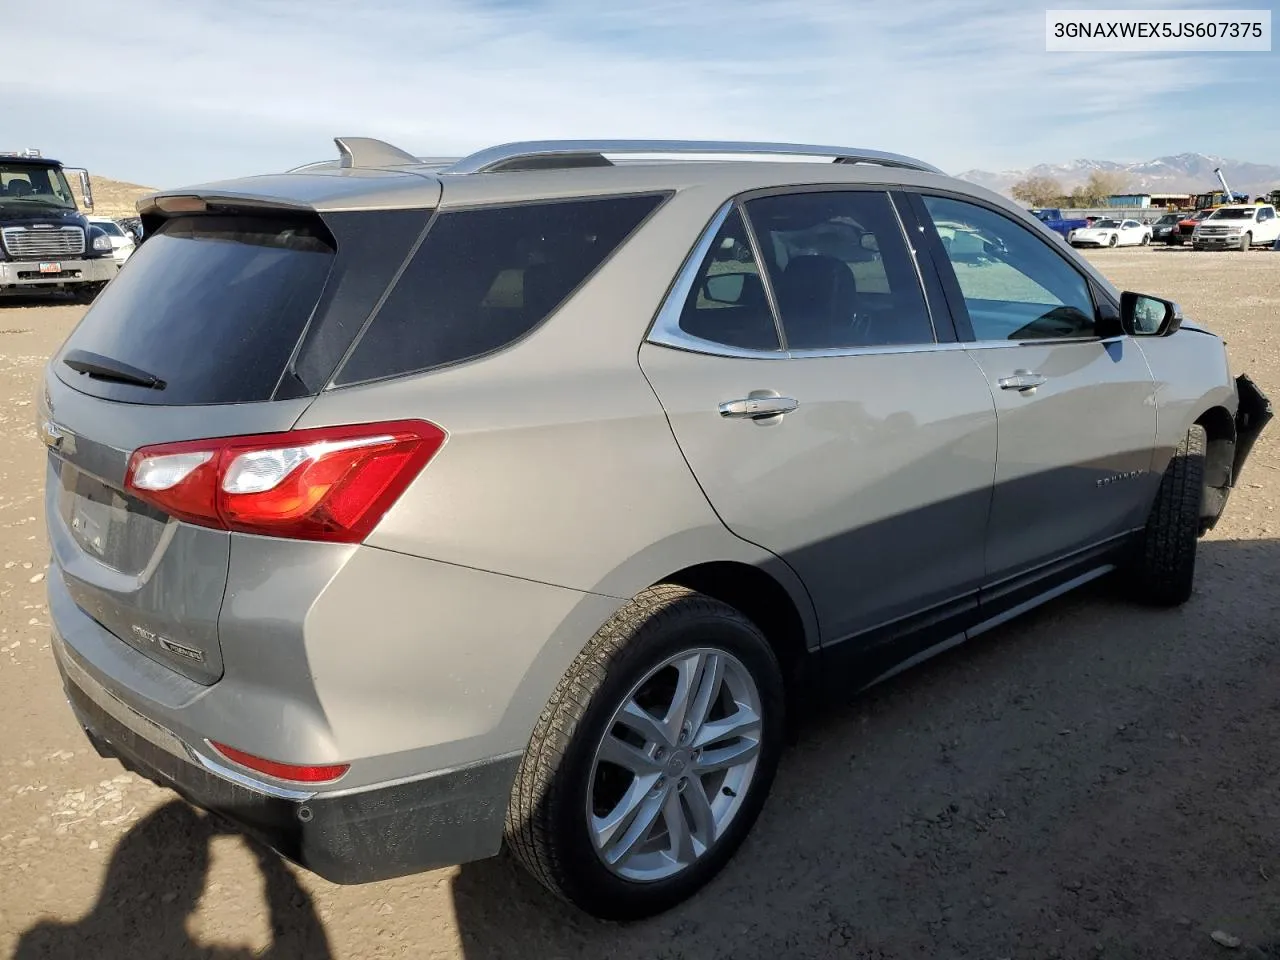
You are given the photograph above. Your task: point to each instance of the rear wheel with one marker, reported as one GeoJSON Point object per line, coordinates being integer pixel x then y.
{"type": "Point", "coordinates": [1163, 569]}
{"type": "Point", "coordinates": [1113, 240]}
{"type": "Point", "coordinates": [651, 762]}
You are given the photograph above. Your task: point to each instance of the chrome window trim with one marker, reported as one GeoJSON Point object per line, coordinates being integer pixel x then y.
{"type": "Point", "coordinates": [666, 329]}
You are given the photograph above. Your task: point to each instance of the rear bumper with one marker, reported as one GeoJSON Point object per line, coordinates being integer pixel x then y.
{"type": "Point", "coordinates": [358, 836]}
{"type": "Point", "coordinates": [23, 274]}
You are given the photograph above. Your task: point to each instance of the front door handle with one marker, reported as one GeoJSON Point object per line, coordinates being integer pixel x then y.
{"type": "Point", "coordinates": [758, 407]}
{"type": "Point", "coordinates": [1023, 380]}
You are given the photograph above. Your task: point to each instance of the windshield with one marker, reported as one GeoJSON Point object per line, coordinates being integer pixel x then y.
{"type": "Point", "coordinates": [1169, 218]}
{"type": "Point", "coordinates": [109, 227]}
{"type": "Point", "coordinates": [1225, 214]}
{"type": "Point", "coordinates": [1107, 223]}
{"type": "Point", "coordinates": [29, 183]}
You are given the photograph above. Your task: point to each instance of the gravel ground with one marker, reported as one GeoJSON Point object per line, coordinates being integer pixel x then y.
{"type": "Point", "coordinates": [1093, 781]}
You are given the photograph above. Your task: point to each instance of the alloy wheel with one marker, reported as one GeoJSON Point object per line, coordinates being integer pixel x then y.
{"type": "Point", "coordinates": [674, 765]}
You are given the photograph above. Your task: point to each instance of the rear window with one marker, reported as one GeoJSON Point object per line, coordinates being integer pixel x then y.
{"type": "Point", "coordinates": [485, 277]}
{"type": "Point", "coordinates": [212, 305]}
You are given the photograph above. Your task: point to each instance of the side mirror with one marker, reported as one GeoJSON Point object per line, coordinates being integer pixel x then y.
{"type": "Point", "coordinates": [724, 287]}
{"type": "Point", "coordinates": [1146, 316]}
{"type": "Point", "coordinates": [86, 189]}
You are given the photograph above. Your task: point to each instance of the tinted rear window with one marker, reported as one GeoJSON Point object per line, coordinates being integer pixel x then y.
{"type": "Point", "coordinates": [483, 278]}
{"type": "Point", "coordinates": [212, 305]}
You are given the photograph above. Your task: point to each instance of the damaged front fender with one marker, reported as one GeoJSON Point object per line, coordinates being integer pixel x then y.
{"type": "Point", "coordinates": [1252, 415]}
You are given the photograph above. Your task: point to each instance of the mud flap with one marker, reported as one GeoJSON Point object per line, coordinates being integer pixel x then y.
{"type": "Point", "coordinates": [1253, 414]}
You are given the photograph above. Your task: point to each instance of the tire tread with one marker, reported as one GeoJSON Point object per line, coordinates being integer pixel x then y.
{"type": "Point", "coordinates": [1167, 556]}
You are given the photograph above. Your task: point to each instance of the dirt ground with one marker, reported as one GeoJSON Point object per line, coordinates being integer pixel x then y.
{"type": "Point", "coordinates": [1096, 780]}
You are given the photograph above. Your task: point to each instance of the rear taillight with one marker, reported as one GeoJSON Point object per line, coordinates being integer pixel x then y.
{"type": "Point", "coordinates": [328, 483]}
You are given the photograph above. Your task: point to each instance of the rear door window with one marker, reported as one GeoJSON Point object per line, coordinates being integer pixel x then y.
{"type": "Point", "coordinates": [841, 271]}
{"type": "Point", "coordinates": [728, 304]}
{"type": "Point", "coordinates": [211, 305]}
{"type": "Point", "coordinates": [485, 277]}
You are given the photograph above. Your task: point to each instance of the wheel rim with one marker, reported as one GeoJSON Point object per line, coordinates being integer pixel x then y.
{"type": "Point", "coordinates": [674, 765]}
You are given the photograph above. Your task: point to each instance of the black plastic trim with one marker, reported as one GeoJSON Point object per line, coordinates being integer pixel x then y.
{"type": "Point", "coordinates": [359, 837]}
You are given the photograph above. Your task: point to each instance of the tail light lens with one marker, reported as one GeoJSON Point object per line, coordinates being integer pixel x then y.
{"type": "Point", "coordinates": [329, 483]}
{"type": "Point", "coordinates": [282, 771]}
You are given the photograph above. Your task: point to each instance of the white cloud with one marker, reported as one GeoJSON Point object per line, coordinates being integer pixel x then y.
{"type": "Point", "coordinates": [223, 88]}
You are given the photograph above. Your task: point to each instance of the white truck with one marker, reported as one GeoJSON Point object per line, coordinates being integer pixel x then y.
{"type": "Point", "coordinates": [1237, 226]}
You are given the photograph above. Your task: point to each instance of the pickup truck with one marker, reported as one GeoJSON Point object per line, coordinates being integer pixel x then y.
{"type": "Point", "coordinates": [1051, 217]}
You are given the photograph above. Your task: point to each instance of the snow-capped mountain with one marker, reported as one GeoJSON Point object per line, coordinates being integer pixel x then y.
{"type": "Point", "coordinates": [1181, 173]}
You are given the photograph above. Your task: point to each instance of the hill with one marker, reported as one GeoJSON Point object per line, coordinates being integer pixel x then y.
{"type": "Point", "coordinates": [114, 198]}
{"type": "Point", "coordinates": [1180, 173]}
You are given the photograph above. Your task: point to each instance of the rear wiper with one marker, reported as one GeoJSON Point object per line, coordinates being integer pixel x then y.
{"type": "Point", "coordinates": [98, 367]}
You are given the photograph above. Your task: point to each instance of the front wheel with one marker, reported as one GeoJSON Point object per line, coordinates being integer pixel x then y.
{"type": "Point", "coordinates": [87, 292]}
{"type": "Point", "coordinates": [1146, 238]}
{"type": "Point", "coordinates": [1113, 240]}
{"type": "Point", "coordinates": [1164, 566]}
{"type": "Point", "coordinates": [653, 759]}
{"type": "Point", "coordinates": [1246, 241]}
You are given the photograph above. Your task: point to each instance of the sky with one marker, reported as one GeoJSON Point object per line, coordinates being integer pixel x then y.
{"type": "Point", "coordinates": [171, 92]}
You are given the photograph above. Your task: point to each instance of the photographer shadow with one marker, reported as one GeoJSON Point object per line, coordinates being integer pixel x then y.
{"type": "Point", "coordinates": [152, 888]}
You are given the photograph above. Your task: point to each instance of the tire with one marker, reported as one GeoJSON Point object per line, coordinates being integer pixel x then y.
{"type": "Point", "coordinates": [1146, 238]}
{"type": "Point", "coordinates": [1163, 570]}
{"type": "Point", "coordinates": [563, 776]}
{"type": "Point", "coordinates": [1246, 242]}
{"type": "Point", "coordinates": [87, 292]}
{"type": "Point", "coordinates": [1113, 241]}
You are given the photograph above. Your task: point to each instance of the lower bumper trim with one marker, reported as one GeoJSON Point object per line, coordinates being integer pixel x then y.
{"type": "Point", "coordinates": [358, 837]}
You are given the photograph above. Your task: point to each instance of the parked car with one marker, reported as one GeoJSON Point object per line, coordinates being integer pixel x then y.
{"type": "Point", "coordinates": [1187, 226]}
{"type": "Point", "coordinates": [121, 240]}
{"type": "Point", "coordinates": [133, 226]}
{"type": "Point", "coordinates": [1111, 233]}
{"type": "Point", "coordinates": [1240, 226]}
{"type": "Point", "coordinates": [1164, 227]}
{"type": "Point", "coordinates": [1052, 218]}
{"type": "Point", "coordinates": [398, 511]}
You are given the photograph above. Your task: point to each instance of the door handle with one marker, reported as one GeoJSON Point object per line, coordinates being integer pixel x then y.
{"type": "Point", "coordinates": [758, 407]}
{"type": "Point", "coordinates": [1023, 380]}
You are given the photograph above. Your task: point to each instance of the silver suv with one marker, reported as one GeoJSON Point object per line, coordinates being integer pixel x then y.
{"type": "Point", "coordinates": [400, 508]}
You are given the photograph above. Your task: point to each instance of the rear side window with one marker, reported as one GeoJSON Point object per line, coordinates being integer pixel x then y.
{"type": "Point", "coordinates": [483, 278]}
{"type": "Point", "coordinates": [211, 305]}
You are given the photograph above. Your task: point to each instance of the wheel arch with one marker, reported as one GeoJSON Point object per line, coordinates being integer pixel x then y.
{"type": "Point", "coordinates": [761, 598]}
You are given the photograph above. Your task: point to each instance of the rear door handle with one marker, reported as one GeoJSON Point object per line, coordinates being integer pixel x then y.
{"type": "Point", "coordinates": [756, 407]}
{"type": "Point", "coordinates": [1023, 380]}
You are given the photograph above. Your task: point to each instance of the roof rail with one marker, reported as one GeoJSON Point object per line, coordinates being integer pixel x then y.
{"type": "Point", "coordinates": [551, 154]}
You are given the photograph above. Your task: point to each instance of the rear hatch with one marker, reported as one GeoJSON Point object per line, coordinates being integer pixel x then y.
{"type": "Point", "coordinates": [226, 321]}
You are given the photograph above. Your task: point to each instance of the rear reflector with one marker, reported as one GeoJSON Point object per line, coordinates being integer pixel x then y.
{"type": "Point", "coordinates": [282, 771]}
{"type": "Point", "coordinates": [327, 483]}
